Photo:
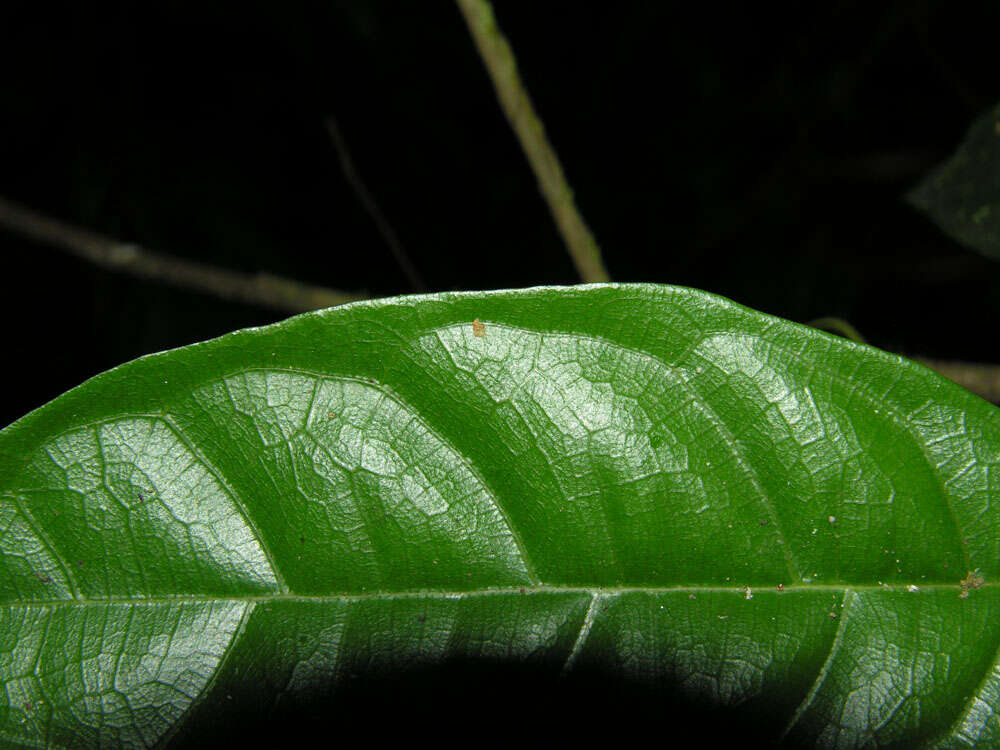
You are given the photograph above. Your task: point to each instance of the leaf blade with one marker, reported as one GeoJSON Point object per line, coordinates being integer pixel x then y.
{"type": "Point", "coordinates": [605, 450]}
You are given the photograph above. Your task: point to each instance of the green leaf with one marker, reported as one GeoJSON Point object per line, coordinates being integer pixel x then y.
{"type": "Point", "coordinates": [637, 482]}
{"type": "Point", "coordinates": [962, 195]}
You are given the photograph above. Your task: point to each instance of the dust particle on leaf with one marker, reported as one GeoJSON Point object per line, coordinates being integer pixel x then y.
{"type": "Point", "coordinates": [478, 329]}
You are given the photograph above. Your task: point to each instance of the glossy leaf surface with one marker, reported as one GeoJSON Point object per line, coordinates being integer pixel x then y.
{"type": "Point", "coordinates": [962, 195]}
{"type": "Point", "coordinates": [625, 480]}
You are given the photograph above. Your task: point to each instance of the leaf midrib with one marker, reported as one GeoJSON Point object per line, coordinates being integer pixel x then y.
{"type": "Point", "coordinates": [506, 591]}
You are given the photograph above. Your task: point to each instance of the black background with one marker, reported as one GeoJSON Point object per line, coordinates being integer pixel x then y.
{"type": "Point", "coordinates": [753, 150]}
{"type": "Point", "coordinates": [759, 151]}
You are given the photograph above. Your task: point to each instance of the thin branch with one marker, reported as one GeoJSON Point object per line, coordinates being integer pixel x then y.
{"type": "Point", "coordinates": [838, 326]}
{"type": "Point", "coordinates": [279, 293]}
{"type": "Point", "coordinates": [262, 289]}
{"type": "Point", "coordinates": [983, 380]}
{"type": "Point", "coordinates": [513, 98]}
{"type": "Point", "coordinates": [368, 201]}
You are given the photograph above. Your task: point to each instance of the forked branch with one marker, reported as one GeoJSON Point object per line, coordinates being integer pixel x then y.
{"type": "Point", "coordinates": [516, 105]}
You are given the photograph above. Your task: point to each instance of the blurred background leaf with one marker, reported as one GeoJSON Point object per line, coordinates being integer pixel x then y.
{"type": "Point", "coordinates": [962, 195]}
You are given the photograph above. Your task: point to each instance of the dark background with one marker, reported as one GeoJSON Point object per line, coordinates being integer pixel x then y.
{"type": "Point", "coordinates": [746, 149]}
{"type": "Point", "coordinates": [749, 150]}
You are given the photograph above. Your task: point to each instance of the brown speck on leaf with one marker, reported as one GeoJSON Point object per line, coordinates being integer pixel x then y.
{"type": "Point", "coordinates": [478, 329]}
{"type": "Point", "coordinates": [44, 577]}
{"type": "Point", "coordinates": [521, 589]}
{"type": "Point", "coordinates": [781, 587]}
{"type": "Point", "coordinates": [331, 415]}
{"type": "Point", "coordinates": [974, 580]}
{"type": "Point", "coordinates": [764, 522]}
{"type": "Point", "coordinates": [422, 618]}
{"type": "Point", "coordinates": [79, 563]}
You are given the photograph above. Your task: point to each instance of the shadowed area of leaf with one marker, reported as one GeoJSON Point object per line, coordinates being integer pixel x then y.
{"type": "Point", "coordinates": [469, 702]}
